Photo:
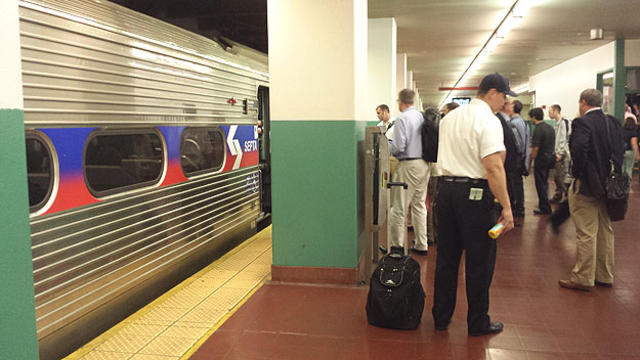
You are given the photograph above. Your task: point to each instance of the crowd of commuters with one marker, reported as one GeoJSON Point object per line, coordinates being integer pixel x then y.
{"type": "Point", "coordinates": [485, 149]}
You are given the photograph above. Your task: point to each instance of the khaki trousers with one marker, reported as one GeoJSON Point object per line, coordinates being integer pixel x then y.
{"type": "Point", "coordinates": [595, 240]}
{"type": "Point", "coordinates": [560, 177]}
{"type": "Point", "coordinates": [416, 174]}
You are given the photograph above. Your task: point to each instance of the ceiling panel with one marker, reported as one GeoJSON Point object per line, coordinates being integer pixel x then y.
{"type": "Point", "coordinates": [441, 37]}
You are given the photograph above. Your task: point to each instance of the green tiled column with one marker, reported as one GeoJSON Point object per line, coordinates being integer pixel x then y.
{"type": "Point", "coordinates": [17, 305]}
{"type": "Point", "coordinates": [318, 100]}
{"type": "Point", "coordinates": [18, 338]}
{"type": "Point", "coordinates": [317, 206]}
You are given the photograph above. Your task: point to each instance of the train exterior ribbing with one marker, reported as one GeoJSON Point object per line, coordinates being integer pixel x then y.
{"type": "Point", "coordinates": [143, 158]}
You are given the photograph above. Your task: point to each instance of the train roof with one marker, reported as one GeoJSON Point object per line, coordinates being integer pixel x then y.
{"type": "Point", "coordinates": [107, 15]}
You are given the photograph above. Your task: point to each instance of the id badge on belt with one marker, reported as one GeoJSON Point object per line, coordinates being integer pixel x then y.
{"type": "Point", "coordinates": [475, 194]}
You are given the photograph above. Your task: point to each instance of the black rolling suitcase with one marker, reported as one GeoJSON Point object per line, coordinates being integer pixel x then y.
{"type": "Point", "coordinates": [396, 296]}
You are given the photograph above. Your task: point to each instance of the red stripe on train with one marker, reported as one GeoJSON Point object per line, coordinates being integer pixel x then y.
{"type": "Point", "coordinates": [72, 192]}
{"type": "Point", "coordinates": [174, 174]}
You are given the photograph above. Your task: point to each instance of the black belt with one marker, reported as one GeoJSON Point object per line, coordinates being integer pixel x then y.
{"type": "Point", "coordinates": [405, 159]}
{"type": "Point", "coordinates": [462, 179]}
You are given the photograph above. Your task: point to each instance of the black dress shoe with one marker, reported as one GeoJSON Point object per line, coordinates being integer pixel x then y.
{"type": "Point", "coordinates": [420, 252]}
{"type": "Point", "coordinates": [604, 284]}
{"type": "Point", "coordinates": [493, 328]}
{"type": "Point", "coordinates": [540, 212]}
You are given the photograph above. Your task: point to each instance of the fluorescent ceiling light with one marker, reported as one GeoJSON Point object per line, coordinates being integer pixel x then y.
{"type": "Point", "coordinates": [509, 23]}
{"type": "Point", "coordinates": [492, 44]}
{"type": "Point", "coordinates": [522, 8]}
{"type": "Point", "coordinates": [513, 18]}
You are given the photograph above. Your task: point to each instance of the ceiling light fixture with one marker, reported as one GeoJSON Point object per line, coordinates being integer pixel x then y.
{"type": "Point", "coordinates": [596, 34]}
{"type": "Point", "coordinates": [513, 18]}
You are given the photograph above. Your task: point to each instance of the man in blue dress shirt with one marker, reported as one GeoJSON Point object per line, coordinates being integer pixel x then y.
{"type": "Point", "coordinates": [406, 146]}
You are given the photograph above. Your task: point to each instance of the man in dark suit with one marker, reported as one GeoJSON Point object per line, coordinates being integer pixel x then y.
{"type": "Point", "coordinates": [592, 145]}
{"type": "Point", "coordinates": [511, 160]}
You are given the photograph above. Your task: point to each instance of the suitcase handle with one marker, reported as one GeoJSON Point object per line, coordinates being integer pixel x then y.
{"type": "Point", "coordinates": [403, 184]}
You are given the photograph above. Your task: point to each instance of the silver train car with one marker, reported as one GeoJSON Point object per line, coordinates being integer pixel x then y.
{"type": "Point", "coordinates": [145, 159]}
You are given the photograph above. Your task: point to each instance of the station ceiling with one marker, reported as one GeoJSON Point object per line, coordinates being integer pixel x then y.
{"type": "Point", "coordinates": [440, 37]}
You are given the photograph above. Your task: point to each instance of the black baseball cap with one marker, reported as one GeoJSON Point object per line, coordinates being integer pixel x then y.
{"type": "Point", "coordinates": [498, 82]}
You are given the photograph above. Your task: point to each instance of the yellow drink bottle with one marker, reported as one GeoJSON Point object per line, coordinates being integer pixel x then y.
{"type": "Point", "coordinates": [496, 230]}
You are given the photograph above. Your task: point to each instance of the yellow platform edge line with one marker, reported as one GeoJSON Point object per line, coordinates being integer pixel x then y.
{"type": "Point", "coordinates": [226, 317]}
{"type": "Point", "coordinates": [83, 350]}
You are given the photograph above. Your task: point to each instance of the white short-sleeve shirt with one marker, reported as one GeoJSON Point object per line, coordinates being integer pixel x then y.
{"type": "Point", "coordinates": [467, 135]}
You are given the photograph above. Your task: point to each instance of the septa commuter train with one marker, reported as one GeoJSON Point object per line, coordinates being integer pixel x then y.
{"type": "Point", "coordinates": [144, 158]}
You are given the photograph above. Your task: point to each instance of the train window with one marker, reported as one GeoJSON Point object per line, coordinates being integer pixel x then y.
{"type": "Point", "coordinates": [40, 175]}
{"type": "Point", "coordinates": [201, 150]}
{"type": "Point", "coordinates": [117, 161]}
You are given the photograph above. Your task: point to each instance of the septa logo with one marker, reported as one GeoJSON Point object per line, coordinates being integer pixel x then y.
{"type": "Point", "coordinates": [251, 145]}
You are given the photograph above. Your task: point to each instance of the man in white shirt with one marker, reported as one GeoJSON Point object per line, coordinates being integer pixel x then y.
{"type": "Point", "coordinates": [471, 153]}
{"type": "Point", "coordinates": [561, 167]}
{"type": "Point", "coordinates": [385, 124]}
{"type": "Point", "coordinates": [406, 146]}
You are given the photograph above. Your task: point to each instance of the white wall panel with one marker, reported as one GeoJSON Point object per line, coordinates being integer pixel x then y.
{"type": "Point", "coordinates": [317, 59]}
{"type": "Point", "coordinates": [632, 52]}
{"type": "Point", "coordinates": [382, 64]}
{"type": "Point", "coordinates": [563, 83]}
{"type": "Point", "coordinates": [10, 73]}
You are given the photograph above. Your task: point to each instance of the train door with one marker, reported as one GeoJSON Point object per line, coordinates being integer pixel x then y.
{"type": "Point", "coordinates": [264, 151]}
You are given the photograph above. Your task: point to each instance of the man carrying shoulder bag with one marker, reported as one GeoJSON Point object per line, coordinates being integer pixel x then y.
{"type": "Point", "coordinates": [593, 156]}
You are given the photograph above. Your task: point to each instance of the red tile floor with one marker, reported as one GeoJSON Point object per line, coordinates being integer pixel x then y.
{"type": "Point", "coordinates": [542, 320]}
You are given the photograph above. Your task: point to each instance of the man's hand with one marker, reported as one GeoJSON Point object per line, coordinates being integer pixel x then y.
{"type": "Point", "coordinates": [506, 219]}
{"type": "Point", "coordinates": [493, 165]}
{"type": "Point", "coordinates": [558, 157]}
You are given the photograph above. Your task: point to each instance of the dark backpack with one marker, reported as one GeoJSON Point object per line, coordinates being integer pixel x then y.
{"type": "Point", "coordinates": [396, 296]}
{"type": "Point", "coordinates": [430, 135]}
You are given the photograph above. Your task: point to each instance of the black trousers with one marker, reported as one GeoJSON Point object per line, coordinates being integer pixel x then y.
{"type": "Point", "coordinates": [541, 172]}
{"type": "Point", "coordinates": [516, 191]}
{"type": "Point", "coordinates": [463, 225]}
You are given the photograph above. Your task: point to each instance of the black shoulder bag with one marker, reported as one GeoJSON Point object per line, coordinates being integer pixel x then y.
{"type": "Point", "coordinates": [616, 187]}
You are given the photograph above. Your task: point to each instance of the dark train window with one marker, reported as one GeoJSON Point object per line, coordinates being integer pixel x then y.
{"type": "Point", "coordinates": [39, 171]}
{"type": "Point", "coordinates": [117, 161]}
{"type": "Point", "coordinates": [201, 150]}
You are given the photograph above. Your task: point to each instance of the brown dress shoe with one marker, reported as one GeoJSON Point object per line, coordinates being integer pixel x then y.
{"type": "Point", "coordinates": [568, 284]}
